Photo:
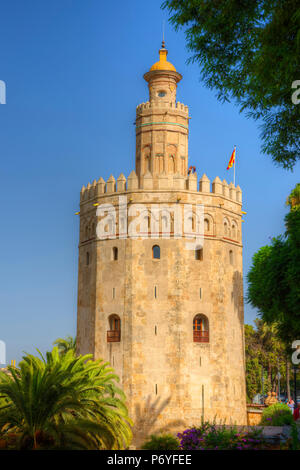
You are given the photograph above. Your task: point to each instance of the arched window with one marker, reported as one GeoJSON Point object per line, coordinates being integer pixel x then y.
{"type": "Point", "coordinates": [147, 163]}
{"type": "Point", "coordinates": [122, 224]}
{"type": "Point", "coordinates": [206, 225]}
{"type": "Point", "coordinates": [147, 221]}
{"type": "Point", "coordinates": [182, 161]}
{"type": "Point", "coordinates": [115, 253]}
{"type": "Point", "coordinates": [114, 332]}
{"type": "Point", "coordinates": [233, 233]}
{"type": "Point", "coordinates": [87, 258]}
{"type": "Point", "coordinates": [166, 225]}
{"type": "Point", "coordinates": [191, 223]}
{"type": "Point", "coordinates": [159, 163]}
{"type": "Point", "coordinates": [231, 257]}
{"type": "Point", "coordinates": [171, 164]}
{"type": "Point", "coordinates": [156, 252]}
{"type": "Point", "coordinates": [199, 254]}
{"type": "Point", "coordinates": [200, 329]}
{"type": "Point", "coordinates": [225, 228]}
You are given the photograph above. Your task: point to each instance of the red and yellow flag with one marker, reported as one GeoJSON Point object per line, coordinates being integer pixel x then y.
{"type": "Point", "coordinates": [232, 159]}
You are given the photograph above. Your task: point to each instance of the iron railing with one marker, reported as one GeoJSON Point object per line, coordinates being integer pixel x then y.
{"type": "Point", "coordinates": [113, 336]}
{"type": "Point", "coordinates": [201, 336]}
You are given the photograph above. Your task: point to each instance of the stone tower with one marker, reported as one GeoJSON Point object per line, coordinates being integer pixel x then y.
{"type": "Point", "coordinates": [168, 319]}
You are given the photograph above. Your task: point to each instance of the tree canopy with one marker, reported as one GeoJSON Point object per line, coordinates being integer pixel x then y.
{"type": "Point", "coordinates": [274, 277]}
{"type": "Point", "coordinates": [249, 51]}
{"type": "Point", "coordinates": [265, 357]}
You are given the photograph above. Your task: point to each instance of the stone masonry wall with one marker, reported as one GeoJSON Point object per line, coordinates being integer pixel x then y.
{"type": "Point", "coordinates": [164, 373]}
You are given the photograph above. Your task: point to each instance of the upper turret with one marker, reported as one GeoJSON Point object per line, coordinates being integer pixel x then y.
{"type": "Point", "coordinates": [162, 79]}
{"type": "Point", "coordinates": [162, 124]}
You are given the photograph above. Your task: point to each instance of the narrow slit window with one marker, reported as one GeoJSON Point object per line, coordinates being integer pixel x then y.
{"type": "Point", "coordinates": [87, 258]}
{"type": "Point", "coordinates": [115, 253]}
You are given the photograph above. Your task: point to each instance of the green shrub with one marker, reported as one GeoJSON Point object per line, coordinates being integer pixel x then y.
{"type": "Point", "coordinates": [295, 437]}
{"type": "Point", "coordinates": [162, 442]}
{"type": "Point", "coordinates": [278, 414]}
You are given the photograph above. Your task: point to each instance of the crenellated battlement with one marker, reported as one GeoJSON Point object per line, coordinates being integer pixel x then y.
{"type": "Point", "coordinates": [161, 182]}
{"type": "Point", "coordinates": [162, 104]}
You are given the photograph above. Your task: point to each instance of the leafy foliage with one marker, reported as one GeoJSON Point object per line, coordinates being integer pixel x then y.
{"type": "Point", "coordinates": [278, 414]}
{"type": "Point", "coordinates": [273, 279]}
{"type": "Point", "coordinates": [249, 52]}
{"type": "Point", "coordinates": [66, 344]}
{"type": "Point", "coordinates": [265, 356]}
{"type": "Point", "coordinates": [294, 198]}
{"type": "Point", "coordinates": [62, 402]}
{"type": "Point", "coordinates": [210, 436]}
{"type": "Point", "coordinates": [163, 442]}
{"type": "Point", "coordinates": [295, 441]}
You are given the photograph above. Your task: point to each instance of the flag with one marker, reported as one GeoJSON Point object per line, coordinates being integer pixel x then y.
{"type": "Point", "coordinates": [232, 159]}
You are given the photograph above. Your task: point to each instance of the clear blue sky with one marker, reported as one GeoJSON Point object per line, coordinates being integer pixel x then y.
{"type": "Point", "coordinates": [73, 71]}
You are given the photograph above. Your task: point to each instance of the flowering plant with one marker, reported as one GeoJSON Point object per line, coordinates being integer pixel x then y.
{"type": "Point", "coordinates": [212, 437]}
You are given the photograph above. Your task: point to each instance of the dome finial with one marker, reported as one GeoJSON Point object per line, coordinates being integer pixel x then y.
{"type": "Point", "coordinates": [163, 64]}
{"type": "Point", "coordinates": [163, 38]}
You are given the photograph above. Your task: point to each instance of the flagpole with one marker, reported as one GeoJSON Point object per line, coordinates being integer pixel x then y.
{"type": "Point", "coordinates": [234, 168]}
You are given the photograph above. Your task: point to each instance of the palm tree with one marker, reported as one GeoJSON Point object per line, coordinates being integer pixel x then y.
{"type": "Point", "coordinates": [66, 344]}
{"type": "Point", "coordinates": [63, 402]}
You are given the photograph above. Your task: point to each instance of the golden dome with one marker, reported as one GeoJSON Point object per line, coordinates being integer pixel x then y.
{"type": "Point", "coordinates": [163, 64]}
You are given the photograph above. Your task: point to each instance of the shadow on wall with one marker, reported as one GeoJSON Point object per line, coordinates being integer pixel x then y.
{"type": "Point", "coordinates": [146, 417]}
{"type": "Point", "coordinates": [237, 283]}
